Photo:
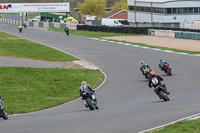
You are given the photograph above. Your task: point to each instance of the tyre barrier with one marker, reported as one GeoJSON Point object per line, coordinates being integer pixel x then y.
{"type": "Point", "coordinates": [175, 34]}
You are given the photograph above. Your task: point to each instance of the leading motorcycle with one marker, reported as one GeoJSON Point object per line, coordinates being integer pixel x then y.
{"type": "Point", "coordinates": [90, 100]}
{"type": "Point", "coordinates": [167, 69]}
{"type": "Point", "coordinates": [3, 113]}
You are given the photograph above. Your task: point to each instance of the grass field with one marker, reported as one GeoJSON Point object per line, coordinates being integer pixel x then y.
{"type": "Point", "coordinates": [17, 47]}
{"type": "Point", "coordinates": [31, 89]}
{"type": "Point", "coordinates": [92, 33]}
{"type": "Point", "coordinates": [182, 127]}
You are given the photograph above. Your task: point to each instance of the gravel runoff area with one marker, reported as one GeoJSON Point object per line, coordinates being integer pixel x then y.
{"type": "Point", "coordinates": [183, 44]}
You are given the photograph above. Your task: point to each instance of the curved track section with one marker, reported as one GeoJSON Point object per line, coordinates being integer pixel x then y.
{"type": "Point", "coordinates": [126, 103]}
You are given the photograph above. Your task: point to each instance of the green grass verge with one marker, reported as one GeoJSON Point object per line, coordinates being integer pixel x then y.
{"type": "Point", "coordinates": [31, 89]}
{"type": "Point", "coordinates": [181, 127]}
{"type": "Point", "coordinates": [92, 33]}
{"type": "Point", "coordinates": [16, 47]}
{"type": "Point", "coordinates": [5, 35]}
{"type": "Point", "coordinates": [159, 47]}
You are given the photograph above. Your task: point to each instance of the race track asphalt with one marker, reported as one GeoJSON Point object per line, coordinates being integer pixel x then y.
{"type": "Point", "coordinates": [126, 103]}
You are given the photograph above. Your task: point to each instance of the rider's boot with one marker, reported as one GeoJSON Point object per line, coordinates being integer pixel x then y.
{"type": "Point", "coordinates": [85, 103]}
{"type": "Point", "coordinates": [165, 89]}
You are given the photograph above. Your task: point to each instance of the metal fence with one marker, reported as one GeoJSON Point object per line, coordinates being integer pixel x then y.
{"type": "Point", "coordinates": [14, 17]}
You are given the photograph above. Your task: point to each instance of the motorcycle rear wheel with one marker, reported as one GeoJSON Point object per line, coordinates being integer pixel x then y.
{"type": "Point", "coordinates": [169, 72]}
{"type": "Point", "coordinates": [164, 96]}
{"type": "Point", "coordinates": [5, 116]}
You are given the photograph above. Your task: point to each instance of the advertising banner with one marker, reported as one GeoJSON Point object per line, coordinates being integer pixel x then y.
{"type": "Point", "coordinates": [34, 7]}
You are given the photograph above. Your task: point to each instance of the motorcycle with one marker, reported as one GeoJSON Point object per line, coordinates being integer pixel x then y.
{"type": "Point", "coordinates": [167, 69]}
{"type": "Point", "coordinates": [146, 73]}
{"type": "Point", "coordinates": [20, 30]}
{"type": "Point", "coordinates": [24, 25]}
{"type": "Point", "coordinates": [3, 113]}
{"type": "Point", "coordinates": [66, 31]}
{"type": "Point", "coordinates": [90, 100]}
{"type": "Point", "coordinates": [159, 90]}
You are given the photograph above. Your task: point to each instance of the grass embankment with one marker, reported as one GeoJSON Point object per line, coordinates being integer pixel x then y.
{"type": "Point", "coordinates": [105, 34]}
{"type": "Point", "coordinates": [31, 89]}
{"type": "Point", "coordinates": [17, 47]}
{"type": "Point", "coordinates": [181, 127]}
{"type": "Point", "coordinates": [92, 33]}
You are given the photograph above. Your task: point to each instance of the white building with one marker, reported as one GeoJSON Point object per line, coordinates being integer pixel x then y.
{"type": "Point", "coordinates": [164, 13]}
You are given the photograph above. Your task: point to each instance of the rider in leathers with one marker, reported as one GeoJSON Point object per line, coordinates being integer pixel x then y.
{"type": "Point", "coordinates": [155, 81]}
{"type": "Point", "coordinates": [162, 64]}
{"type": "Point", "coordinates": [143, 66]}
{"type": "Point", "coordinates": [87, 88]}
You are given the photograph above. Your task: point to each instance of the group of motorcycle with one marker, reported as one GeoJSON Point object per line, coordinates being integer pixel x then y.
{"type": "Point", "coordinates": [159, 89]}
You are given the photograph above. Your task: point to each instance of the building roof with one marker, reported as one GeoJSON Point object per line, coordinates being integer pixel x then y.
{"type": "Point", "coordinates": [113, 13]}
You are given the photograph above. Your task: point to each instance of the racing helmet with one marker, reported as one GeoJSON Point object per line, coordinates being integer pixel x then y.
{"type": "Point", "coordinates": [152, 73]}
{"type": "Point", "coordinates": [141, 62]}
{"type": "Point", "coordinates": [83, 83]}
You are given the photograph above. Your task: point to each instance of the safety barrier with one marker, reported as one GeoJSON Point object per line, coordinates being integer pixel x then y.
{"type": "Point", "coordinates": [168, 32]}
{"type": "Point", "coordinates": [175, 34]}
{"type": "Point", "coordinates": [125, 30]}
{"type": "Point", "coordinates": [39, 24]}
{"type": "Point", "coordinates": [163, 33]}
{"type": "Point", "coordinates": [187, 35]}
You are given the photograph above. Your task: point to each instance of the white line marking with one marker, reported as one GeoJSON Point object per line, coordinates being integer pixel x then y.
{"type": "Point", "coordinates": [158, 127]}
{"type": "Point", "coordinates": [138, 46]}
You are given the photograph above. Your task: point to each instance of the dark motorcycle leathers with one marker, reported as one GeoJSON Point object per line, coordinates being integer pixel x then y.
{"type": "Point", "coordinates": [155, 81]}
{"type": "Point", "coordinates": [162, 64]}
{"type": "Point", "coordinates": [66, 30]}
{"type": "Point", "coordinates": [144, 66]}
{"type": "Point", "coordinates": [86, 88]}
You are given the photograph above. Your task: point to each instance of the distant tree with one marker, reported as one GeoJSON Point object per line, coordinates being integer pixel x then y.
{"type": "Point", "coordinates": [110, 3]}
{"type": "Point", "coordinates": [93, 7]}
{"type": "Point", "coordinates": [120, 5]}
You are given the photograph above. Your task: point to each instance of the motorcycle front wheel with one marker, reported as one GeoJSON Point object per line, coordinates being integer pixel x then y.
{"type": "Point", "coordinates": [5, 115]}
{"type": "Point", "coordinates": [88, 101]}
{"type": "Point", "coordinates": [164, 96]}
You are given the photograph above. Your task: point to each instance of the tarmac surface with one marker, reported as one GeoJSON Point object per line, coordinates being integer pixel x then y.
{"type": "Point", "coordinates": [126, 103]}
